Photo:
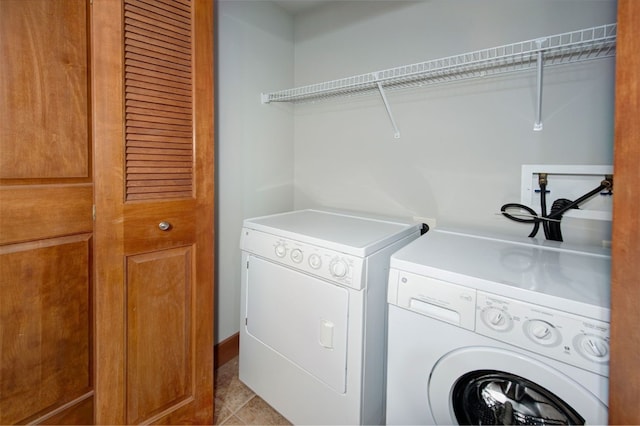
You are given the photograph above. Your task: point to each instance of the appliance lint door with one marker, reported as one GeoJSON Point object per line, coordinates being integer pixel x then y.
{"type": "Point", "coordinates": [302, 318]}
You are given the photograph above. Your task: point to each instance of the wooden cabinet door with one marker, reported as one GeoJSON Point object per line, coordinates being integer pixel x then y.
{"type": "Point", "coordinates": [153, 132]}
{"type": "Point", "coordinates": [46, 227]}
{"type": "Point", "coordinates": [624, 376]}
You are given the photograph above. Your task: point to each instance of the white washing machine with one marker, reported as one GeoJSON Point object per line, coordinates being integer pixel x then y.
{"type": "Point", "coordinates": [313, 332]}
{"type": "Point", "coordinates": [489, 330]}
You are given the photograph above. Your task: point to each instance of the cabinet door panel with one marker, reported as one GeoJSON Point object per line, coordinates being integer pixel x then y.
{"type": "Point", "coordinates": [33, 212]}
{"type": "Point", "coordinates": [160, 363]}
{"type": "Point", "coordinates": [44, 325]}
{"type": "Point", "coordinates": [46, 225]}
{"type": "Point", "coordinates": [43, 89]}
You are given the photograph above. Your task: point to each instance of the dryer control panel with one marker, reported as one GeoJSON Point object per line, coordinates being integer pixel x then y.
{"type": "Point", "coordinates": [579, 341]}
{"type": "Point", "coordinates": [331, 265]}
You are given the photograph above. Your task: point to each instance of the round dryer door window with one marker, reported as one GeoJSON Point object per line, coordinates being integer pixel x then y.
{"type": "Point", "coordinates": [484, 385]}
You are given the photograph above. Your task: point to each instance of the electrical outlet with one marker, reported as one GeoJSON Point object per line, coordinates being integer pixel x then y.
{"type": "Point", "coordinates": [571, 182]}
{"type": "Point", "coordinates": [428, 220]}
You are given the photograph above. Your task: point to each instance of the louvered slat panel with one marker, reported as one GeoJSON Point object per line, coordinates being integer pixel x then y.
{"type": "Point", "coordinates": [152, 119]}
{"type": "Point", "coordinates": [150, 79]}
{"type": "Point", "coordinates": [150, 157]}
{"type": "Point", "coordinates": [156, 96]}
{"type": "Point", "coordinates": [151, 30]}
{"type": "Point", "coordinates": [149, 106]}
{"type": "Point", "coordinates": [165, 144]}
{"type": "Point", "coordinates": [157, 131]}
{"type": "Point", "coordinates": [134, 10]}
{"type": "Point", "coordinates": [158, 113]}
{"type": "Point", "coordinates": [174, 182]}
{"type": "Point", "coordinates": [183, 152]}
{"type": "Point", "coordinates": [158, 189]}
{"type": "Point", "coordinates": [173, 54]}
{"type": "Point", "coordinates": [148, 73]}
{"type": "Point", "coordinates": [138, 55]}
{"type": "Point", "coordinates": [162, 86]}
{"type": "Point", "coordinates": [165, 9]}
{"type": "Point", "coordinates": [162, 150]}
{"type": "Point", "coordinates": [158, 169]}
{"type": "Point", "coordinates": [158, 39]}
{"type": "Point", "coordinates": [158, 99]}
{"type": "Point", "coordinates": [156, 196]}
{"type": "Point", "coordinates": [147, 176]}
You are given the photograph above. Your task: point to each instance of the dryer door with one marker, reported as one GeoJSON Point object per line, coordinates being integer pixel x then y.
{"type": "Point", "coordinates": [302, 318]}
{"type": "Point", "coordinates": [484, 385]}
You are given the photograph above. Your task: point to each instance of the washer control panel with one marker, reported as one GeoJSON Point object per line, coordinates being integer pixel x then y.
{"type": "Point", "coordinates": [331, 265]}
{"type": "Point", "coordinates": [576, 340]}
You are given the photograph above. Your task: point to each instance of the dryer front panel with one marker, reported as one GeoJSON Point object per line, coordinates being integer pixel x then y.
{"type": "Point", "coordinates": [302, 318]}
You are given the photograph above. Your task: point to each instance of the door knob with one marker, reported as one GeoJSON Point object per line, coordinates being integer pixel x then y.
{"type": "Point", "coordinates": [164, 226]}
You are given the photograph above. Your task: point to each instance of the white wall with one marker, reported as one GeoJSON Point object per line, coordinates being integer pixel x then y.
{"type": "Point", "coordinates": [255, 141]}
{"type": "Point", "coordinates": [462, 144]}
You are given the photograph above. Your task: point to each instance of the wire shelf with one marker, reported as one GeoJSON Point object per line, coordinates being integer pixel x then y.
{"type": "Point", "coordinates": [577, 46]}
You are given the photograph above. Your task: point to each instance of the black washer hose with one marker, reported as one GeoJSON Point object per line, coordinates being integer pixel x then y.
{"type": "Point", "coordinates": [534, 220]}
{"type": "Point", "coordinates": [543, 209]}
{"type": "Point", "coordinates": [574, 204]}
{"type": "Point", "coordinates": [554, 227]}
{"type": "Point", "coordinates": [560, 206]}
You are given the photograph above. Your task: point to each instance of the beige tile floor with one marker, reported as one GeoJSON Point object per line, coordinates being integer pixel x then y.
{"type": "Point", "coordinates": [236, 404]}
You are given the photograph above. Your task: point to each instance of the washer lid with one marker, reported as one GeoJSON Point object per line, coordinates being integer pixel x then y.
{"type": "Point", "coordinates": [346, 232]}
{"type": "Point", "coordinates": [543, 272]}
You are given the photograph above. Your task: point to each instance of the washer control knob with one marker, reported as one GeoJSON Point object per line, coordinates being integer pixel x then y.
{"type": "Point", "coordinates": [593, 347]}
{"type": "Point", "coordinates": [281, 250]}
{"type": "Point", "coordinates": [296, 255]}
{"type": "Point", "coordinates": [542, 332]}
{"type": "Point", "coordinates": [338, 268]}
{"type": "Point", "coordinates": [315, 261]}
{"type": "Point", "coordinates": [497, 319]}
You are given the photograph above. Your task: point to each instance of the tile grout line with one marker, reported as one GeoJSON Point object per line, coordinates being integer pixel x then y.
{"type": "Point", "coordinates": [235, 413]}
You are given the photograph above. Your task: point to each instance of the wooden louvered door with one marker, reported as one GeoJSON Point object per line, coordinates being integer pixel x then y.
{"type": "Point", "coordinates": [46, 227]}
{"type": "Point", "coordinates": [153, 126]}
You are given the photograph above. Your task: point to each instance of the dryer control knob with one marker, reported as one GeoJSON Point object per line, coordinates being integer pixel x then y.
{"type": "Point", "coordinates": [338, 268]}
{"type": "Point", "coordinates": [281, 250]}
{"type": "Point", "coordinates": [315, 261]}
{"type": "Point", "coordinates": [593, 347]}
{"type": "Point", "coordinates": [296, 255]}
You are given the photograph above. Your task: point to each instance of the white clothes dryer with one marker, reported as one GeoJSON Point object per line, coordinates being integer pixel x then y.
{"type": "Point", "coordinates": [486, 330]}
{"type": "Point", "coordinates": [313, 312]}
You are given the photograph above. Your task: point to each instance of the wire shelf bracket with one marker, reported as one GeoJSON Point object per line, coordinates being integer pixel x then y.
{"type": "Point", "coordinates": [560, 49]}
{"type": "Point", "coordinates": [396, 132]}
{"type": "Point", "coordinates": [537, 125]}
